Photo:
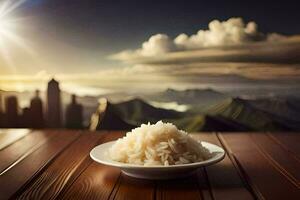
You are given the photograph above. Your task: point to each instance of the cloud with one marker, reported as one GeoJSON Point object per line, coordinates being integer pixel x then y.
{"type": "Point", "coordinates": [156, 45]}
{"type": "Point", "coordinates": [285, 51]}
{"type": "Point", "coordinates": [230, 33]}
{"type": "Point", "coordinates": [227, 48]}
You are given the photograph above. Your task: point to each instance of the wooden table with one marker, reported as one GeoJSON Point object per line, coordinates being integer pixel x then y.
{"type": "Point", "coordinates": [56, 165]}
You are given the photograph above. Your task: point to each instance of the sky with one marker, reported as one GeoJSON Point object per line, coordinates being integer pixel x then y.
{"type": "Point", "coordinates": [94, 46]}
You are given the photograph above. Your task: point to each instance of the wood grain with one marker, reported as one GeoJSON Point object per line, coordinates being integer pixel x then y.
{"type": "Point", "coordinates": [204, 185]}
{"type": "Point", "coordinates": [285, 161]}
{"type": "Point", "coordinates": [185, 188]}
{"type": "Point", "coordinates": [133, 188]}
{"type": "Point", "coordinates": [18, 176]}
{"type": "Point", "coordinates": [53, 164]}
{"type": "Point", "coordinates": [265, 178]}
{"type": "Point", "coordinates": [22, 147]}
{"type": "Point", "coordinates": [290, 141]}
{"type": "Point", "coordinates": [52, 181]}
{"type": "Point", "coordinates": [96, 181]}
{"type": "Point", "coordinates": [224, 179]}
{"type": "Point", "coordinates": [9, 136]}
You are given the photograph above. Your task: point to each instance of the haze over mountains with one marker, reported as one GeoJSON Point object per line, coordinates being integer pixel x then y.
{"type": "Point", "coordinates": [210, 110]}
{"type": "Point", "coordinates": [206, 110]}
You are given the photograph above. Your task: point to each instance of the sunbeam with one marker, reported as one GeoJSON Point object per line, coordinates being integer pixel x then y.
{"type": "Point", "coordinates": [8, 32]}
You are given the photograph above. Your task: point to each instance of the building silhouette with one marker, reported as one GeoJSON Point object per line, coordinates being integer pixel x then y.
{"type": "Point", "coordinates": [1, 113]}
{"type": "Point", "coordinates": [54, 114]}
{"type": "Point", "coordinates": [74, 114]}
{"type": "Point", "coordinates": [11, 112]}
{"type": "Point", "coordinates": [36, 111]}
{"type": "Point", "coordinates": [1, 110]}
{"type": "Point", "coordinates": [25, 118]}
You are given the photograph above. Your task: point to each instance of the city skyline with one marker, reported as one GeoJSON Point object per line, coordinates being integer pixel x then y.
{"type": "Point", "coordinates": [39, 114]}
{"type": "Point", "coordinates": [98, 52]}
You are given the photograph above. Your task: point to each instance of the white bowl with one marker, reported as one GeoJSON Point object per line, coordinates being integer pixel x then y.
{"type": "Point", "coordinates": [100, 155]}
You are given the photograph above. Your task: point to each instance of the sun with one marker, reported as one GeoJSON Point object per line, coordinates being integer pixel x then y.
{"type": "Point", "coordinates": [9, 31]}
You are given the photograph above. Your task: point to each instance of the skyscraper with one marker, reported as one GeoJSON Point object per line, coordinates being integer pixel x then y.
{"type": "Point", "coordinates": [1, 112]}
{"type": "Point", "coordinates": [74, 114]}
{"type": "Point", "coordinates": [25, 118]}
{"type": "Point", "coordinates": [54, 115]}
{"type": "Point", "coordinates": [11, 112]}
{"type": "Point", "coordinates": [36, 111]}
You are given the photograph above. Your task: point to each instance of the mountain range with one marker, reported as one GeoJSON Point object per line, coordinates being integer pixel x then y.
{"type": "Point", "coordinates": [207, 110]}
{"type": "Point", "coordinates": [195, 97]}
{"type": "Point", "coordinates": [246, 113]}
{"type": "Point", "coordinates": [223, 113]}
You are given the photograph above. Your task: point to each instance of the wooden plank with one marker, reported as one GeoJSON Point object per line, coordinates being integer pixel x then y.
{"type": "Point", "coordinates": [96, 181]}
{"type": "Point", "coordinates": [63, 170]}
{"type": "Point", "coordinates": [283, 159]}
{"type": "Point", "coordinates": [224, 179]}
{"type": "Point", "coordinates": [14, 179]}
{"type": "Point", "coordinates": [185, 188]}
{"type": "Point", "coordinates": [266, 179]}
{"type": "Point", "coordinates": [204, 185]}
{"type": "Point", "coordinates": [9, 136]}
{"type": "Point", "coordinates": [22, 147]}
{"type": "Point", "coordinates": [133, 188]}
{"type": "Point", "coordinates": [289, 141]}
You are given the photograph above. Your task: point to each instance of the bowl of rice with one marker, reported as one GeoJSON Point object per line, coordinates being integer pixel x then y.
{"type": "Point", "coordinates": [157, 151]}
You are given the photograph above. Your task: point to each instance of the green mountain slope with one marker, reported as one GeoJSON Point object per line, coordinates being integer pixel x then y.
{"type": "Point", "coordinates": [107, 118]}
{"type": "Point", "coordinates": [208, 123]}
{"type": "Point", "coordinates": [138, 111]}
{"type": "Point", "coordinates": [244, 113]}
{"type": "Point", "coordinates": [282, 107]}
{"type": "Point", "coordinates": [232, 114]}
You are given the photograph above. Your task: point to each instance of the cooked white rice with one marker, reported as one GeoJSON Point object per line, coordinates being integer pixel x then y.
{"type": "Point", "coordinates": [158, 144]}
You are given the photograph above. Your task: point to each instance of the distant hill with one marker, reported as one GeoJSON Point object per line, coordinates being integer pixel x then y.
{"type": "Point", "coordinates": [199, 97]}
{"type": "Point", "coordinates": [208, 123]}
{"type": "Point", "coordinates": [288, 108]}
{"type": "Point", "coordinates": [138, 111]}
{"type": "Point", "coordinates": [215, 112]}
{"type": "Point", "coordinates": [107, 118]}
{"type": "Point", "coordinates": [243, 112]}
{"type": "Point", "coordinates": [232, 114]}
